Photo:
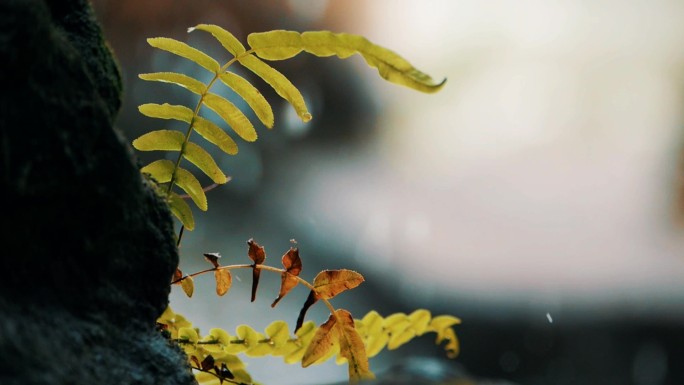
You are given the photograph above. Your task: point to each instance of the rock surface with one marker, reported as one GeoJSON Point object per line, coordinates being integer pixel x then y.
{"type": "Point", "coordinates": [87, 248]}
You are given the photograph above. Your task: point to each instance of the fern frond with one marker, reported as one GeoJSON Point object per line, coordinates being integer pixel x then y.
{"type": "Point", "coordinates": [375, 332]}
{"type": "Point", "coordinates": [280, 45]}
{"type": "Point", "coordinates": [273, 45]}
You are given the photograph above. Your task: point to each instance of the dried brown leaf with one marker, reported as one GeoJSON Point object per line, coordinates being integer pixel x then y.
{"type": "Point", "coordinates": [257, 254]}
{"type": "Point", "coordinates": [325, 339]}
{"type": "Point", "coordinates": [352, 347]}
{"type": "Point", "coordinates": [293, 266]}
{"type": "Point", "coordinates": [208, 363]}
{"type": "Point", "coordinates": [188, 285]}
{"type": "Point", "coordinates": [310, 300]}
{"type": "Point", "coordinates": [177, 275]}
{"type": "Point", "coordinates": [213, 258]}
{"type": "Point", "coordinates": [223, 281]}
{"type": "Point", "coordinates": [329, 283]}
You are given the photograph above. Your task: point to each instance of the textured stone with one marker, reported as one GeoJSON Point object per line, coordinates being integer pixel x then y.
{"type": "Point", "coordinates": [87, 248]}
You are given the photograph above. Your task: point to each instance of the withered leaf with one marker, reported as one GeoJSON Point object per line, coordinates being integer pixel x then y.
{"type": "Point", "coordinates": [195, 361]}
{"type": "Point", "coordinates": [352, 347]}
{"type": "Point", "coordinates": [208, 363]}
{"type": "Point", "coordinates": [224, 372]}
{"type": "Point", "coordinates": [223, 281]}
{"type": "Point", "coordinates": [256, 252]}
{"type": "Point", "coordinates": [325, 339]}
{"type": "Point", "coordinates": [177, 275]}
{"type": "Point", "coordinates": [213, 258]}
{"type": "Point", "coordinates": [310, 300]}
{"type": "Point", "coordinates": [188, 285]}
{"type": "Point", "coordinates": [329, 283]}
{"type": "Point", "coordinates": [293, 266]}
{"type": "Point", "coordinates": [258, 255]}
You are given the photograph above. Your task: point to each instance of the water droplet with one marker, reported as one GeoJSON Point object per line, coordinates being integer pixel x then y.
{"type": "Point", "coordinates": [548, 317]}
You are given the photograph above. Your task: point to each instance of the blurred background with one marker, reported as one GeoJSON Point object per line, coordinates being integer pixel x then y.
{"type": "Point", "coordinates": [539, 196]}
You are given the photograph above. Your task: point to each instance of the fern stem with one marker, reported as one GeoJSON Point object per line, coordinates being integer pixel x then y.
{"type": "Point", "coordinates": [262, 267]}
{"type": "Point", "coordinates": [195, 114]}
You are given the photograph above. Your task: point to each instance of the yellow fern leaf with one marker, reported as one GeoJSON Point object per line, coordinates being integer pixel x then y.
{"type": "Point", "coordinates": [181, 49]}
{"type": "Point", "coordinates": [161, 170]}
{"type": "Point", "coordinates": [251, 95]}
{"type": "Point", "coordinates": [182, 80]}
{"type": "Point", "coordinates": [160, 140]}
{"type": "Point", "coordinates": [181, 210]}
{"type": "Point", "coordinates": [201, 158]}
{"type": "Point", "coordinates": [279, 45]}
{"type": "Point", "coordinates": [215, 135]}
{"type": "Point", "coordinates": [227, 39]}
{"type": "Point", "coordinates": [190, 184]}
{"type": "Point", "coordinates": [232, 115]}
{"type": "Point", "coordinates": [166, 111]}
{"type": "Point", "coordinates": [280, 84]}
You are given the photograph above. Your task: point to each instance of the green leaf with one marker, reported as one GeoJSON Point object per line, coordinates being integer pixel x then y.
{"type": "Point", "coordinates": [166, 111]}
{"type": "Point", "coordinates": [227, 39]}
{"type": "Point", "coordinates": [251, 95]}
{"type": "Point", "coordinates": [161, 140]}
{"type": "Point", "coordinates": [278, 333]}
{"type": "Point", "coordinates": [279, 82]}
{"type": "Point", "coordinates": [181, 210]}
{"type": "Point", "coordinates": [181, 49]}
{"type": "Point", "coordinates": [184, 81]}
{"type": "Point", "coordinates": [275, 45]}
{"type": "Point", "coordinates": [190, 184]}
{"type": "Point", "coordinates": [232, 115]}
{"type": "Point", "coordinates": [161, 170]}
{"type": "Point", "coordinates": [201, 158]}
{"type": "Point", "coordinates": [215, 135]}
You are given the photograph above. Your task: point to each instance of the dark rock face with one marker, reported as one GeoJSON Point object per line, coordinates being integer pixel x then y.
{"type": "Point", "coordinates": [87, 248]}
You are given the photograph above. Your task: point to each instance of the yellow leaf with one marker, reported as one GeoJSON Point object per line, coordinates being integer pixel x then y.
{"type": "Point", "coordinates": [201, 158]}
{"type": "Point", "coordinates": [227, 39]}
{"type": "Point", "coordinates": [184, 81]}
{"type": "Point", "coordinates": [249, 335]}
{"type": "Point", "coordinates": [166, 111]}
{"type": "Point", "coordinates": [188, 334]}
{"type": "Point", "coordinates": [419, 320]}
{"type": "Point", "coordinates": [181, 49]}
{"type": "Point", "coordinates": [305, 335]}
{"type": "Point", "coordinates": [251, 95]}
{"type": "Point", "coordinates": [352, 348]}
{"type": "Point", "coordinates": [275, 45]}
{"type": "Point", "coordinates": [279, 83]}
{"type": "Point", "coordinates": [213, 134]}
{"type": "Point", "coordinates": [188, 286]}
{"type": "Point", "coordinates": [323, 341]}
{"type": "Point", "coordinates": [160, 140]}
{"type": "Point", "coordinates": [278, 45]}
{"type": "Point", "coordinates": [329, 283]}
{"type": "Point", "coordinates": [375, 343]}
{"type": "Point", "coordinates": [181, 210]}
{"type": "Point", "coordinates": [232, 115]}
{"type": "Point", "coordinates": [161, 170]}
{"type": "Point", "coordinates": [190, 184]}
{"type": "Point", "coordinates": [223, 281]}
{"type": "Point", "coordinates": [398, 339]}
{"type": "Point", "coordinates": [278, 332]}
